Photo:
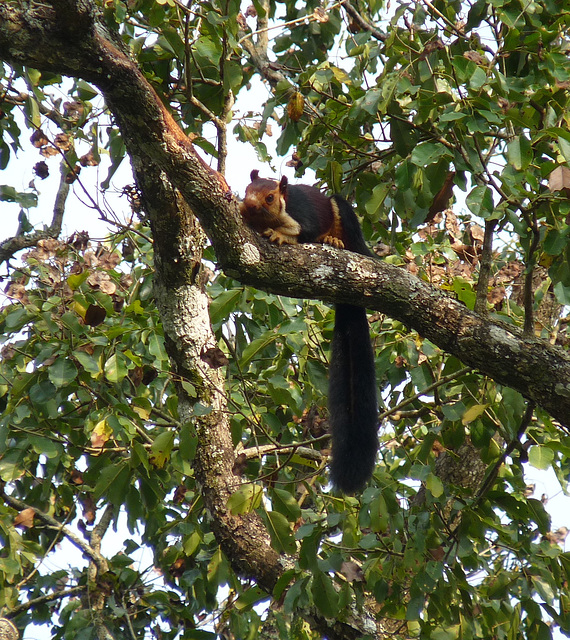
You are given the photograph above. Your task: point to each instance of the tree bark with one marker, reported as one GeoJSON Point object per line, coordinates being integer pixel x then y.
{"type": "Point", "coordinates": [78, 45]}
{"type": "Point", "coordinates": [67, 36]}
{"type": "Point", "coordinates": [37, 35]}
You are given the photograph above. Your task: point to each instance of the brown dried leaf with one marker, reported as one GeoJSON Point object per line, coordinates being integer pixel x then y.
{"type": "Point", "coordinates": [352, 572]}
{"type": "Point", "coordinates": [41, 170]}
{"type": "Point", "coordinates": [63, 142]}
{"type": "Point", "coordinates": [477, 232]}
{"type": "Point", "coordinates": [73, 110]}
{"type": "Point", "coordinates": [320, 15]}
{"type": "Point", "coordinates": [442, 197]}
{"type": "Point", "coordinates": [25, 518]}
{"type": "Point", "coordinates": [451, 224]}
{"type": "Point", "coordinates": [509, 272]}
{"type": "Point", "coordinates": [529, 490]}
{"type": "Point", "coordinates": [475, 57]}
{"type": "Point", "coordinates": [17, 292]}
{"type": "Point", "coordinates": [94, 315]}
{"type": "Point", "coordinates": [559, 180]}
{"type": "Point", "coordinates": [91, 259]}
{"type": "Point", "coordinates": [39, 139]}
{"type": "Point", "coordinates": [73, 174]}
{"type": "Point", "coordinates": [108, 259]}
{"type": "Point", "coordinates": [215, 358]}
{"type": "Point", "coordinates": [496, 296]}
{"type": "Point", "coordinates": [49, 151]}
{"type": "Point", "coordinates": [76, 477]}
{"type": "Point", "coordinates": [101, 434]}
{"type": "Point", "coordinates": [102, 281]}
{"type": "Point", "coordinates": [88, 160]}
{"type": "Point", "coordinates": [88, 507]}
{"type": "Point", "coordinates": [295, 106]}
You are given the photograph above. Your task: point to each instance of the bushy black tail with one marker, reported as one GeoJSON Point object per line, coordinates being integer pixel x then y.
{"type": "Point", "coordinates": [353, 407]}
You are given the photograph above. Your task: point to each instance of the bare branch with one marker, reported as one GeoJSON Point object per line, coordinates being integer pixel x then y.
{"type": "Point", "coordinates": [485, 268]}
{"type": "Point", "coordinates": [50, 597]}
{"type": "Point", "coordinates": [52, 523]}
{"type": "Point", "coordinates": [9, 247]}
{"type": "Point", "coordinates": [362, 23]}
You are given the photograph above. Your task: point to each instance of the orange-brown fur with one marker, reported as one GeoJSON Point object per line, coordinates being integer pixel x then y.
{"type": "Point", "coordinates": [291, 214]}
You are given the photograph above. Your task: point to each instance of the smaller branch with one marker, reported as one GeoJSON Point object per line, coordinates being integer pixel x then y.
{"type": "Point", "coordinates": [262, 31]}
{"type": "Point", "coordinates": [447, 21]}
{"type": "Point", "coordinates": [438, 383]}
{"type": "Point", "coordinates": [49, 549]}
{"type": "Point", "coordinates": [305, 452]}
{"type": "Point", "coordinates": [56, 595]}
{"type": "Point", "coordinates": [95, 556]}
{"type": "Point", "coordinates": [362, 23]}
{"type": "Point", "coordinates": [492, 475]}
{"type": "Point", "coordinates": [21, 241]}
{"type": "Point", "coordinates": [485, 268]}
{"type": "Point", "coordinates": [128, 621]}
{"type": "Point", "coordinates": [528, 328]}
{"type": "Point", "coordinates": [101, 529]}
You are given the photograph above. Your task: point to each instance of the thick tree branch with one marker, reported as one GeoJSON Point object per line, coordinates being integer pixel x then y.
{"type": "Point", "coordinates": [536, 369]}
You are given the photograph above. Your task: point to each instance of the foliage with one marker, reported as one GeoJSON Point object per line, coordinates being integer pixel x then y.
{"type": "Point", "coordinates": [475, 94]}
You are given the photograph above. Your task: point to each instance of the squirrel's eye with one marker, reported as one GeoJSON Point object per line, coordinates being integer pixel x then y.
{"type": "Point", "coordinates": [270, 198]}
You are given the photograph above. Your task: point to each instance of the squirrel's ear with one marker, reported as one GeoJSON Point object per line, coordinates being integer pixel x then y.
{"type": "Point", "coordinates": [283, 184]}
{"type": "Point", "coordinates": [254, 175]}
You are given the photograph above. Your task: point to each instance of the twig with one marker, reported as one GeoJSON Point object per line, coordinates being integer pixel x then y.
{"type": "Point", "coordinates": [492, 475]}
{"type": "Point", "coordinates": [362, 23]}
{"type": "Point", "coordinates": [305, 452]}
{"type": "Point", "coordinates": [431, 387]}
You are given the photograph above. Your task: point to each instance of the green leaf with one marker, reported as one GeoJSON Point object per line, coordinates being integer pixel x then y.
{"type": "Point", "coordinates": [252, 596]}
{"type": "Point", "coordinates": [434, 485]}
{"type": "Point", "coordinates": [519, 152]}
{"type": "Point", "coordinates": [480, 201]}
{"type": "Point", "coordinates": [223, 304]}
{"type": "Point", "coordinates": [85, 91]}
{"type": "Point", "coordinates": [41, 392]}
{"type": "Point", "coordinates": [112, 483]}
{"type": "Point", "coordinates": [161, 448]}
{"type": "Point", "coordinates": [564, 146]}
{"type": "Point", "coordinates": [428, 153]}
{"type": "Point", "coordinates": [115, 368]}
{"type": "Point", "coordinates": [62, 372]}
{"type": "Point", "coordinates": [473, 412]}
{"type": "Point", "coordinates": [324, 595]}
{"type": "Point", "coordinates": [540, 457]}
{"type": "Point", "coordinates": [88, 362]}
{"type": "Point", "coordinates": [26, 200]}
{"type": "Point", "coordinates": [478, 78]}
{"type": "Point", "coordinates": [245, 499]}
{"type": "Point", "coordinates": [286, 504]}
{"type": "Point", "coordinates": [282, 538]}
{"type": "Point", "coordinates": [464, 291]}
{"type": "Point", "coordinates": [376, 200]}
{"type": "Point", "coordinates": [257, 345]}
